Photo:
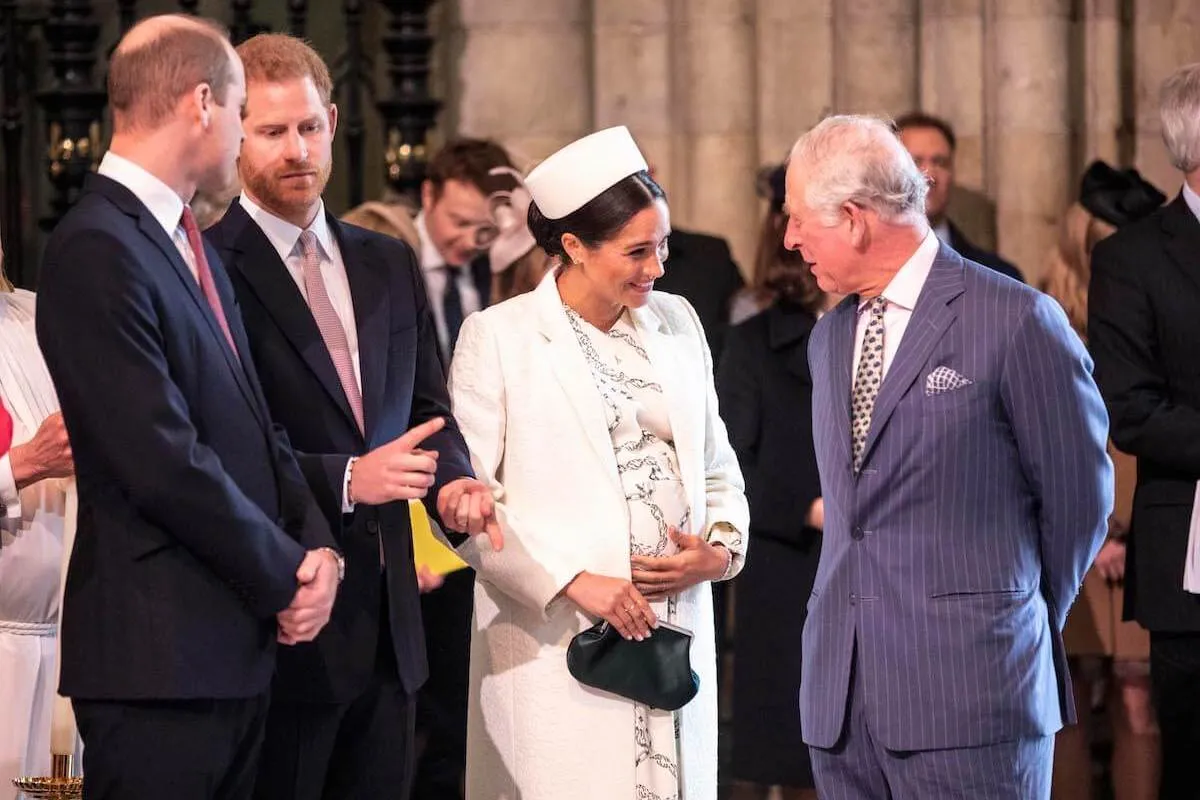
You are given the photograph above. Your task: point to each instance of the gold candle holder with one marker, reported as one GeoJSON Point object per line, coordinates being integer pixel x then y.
{"type": "Point", "coordinates": [59, 786]}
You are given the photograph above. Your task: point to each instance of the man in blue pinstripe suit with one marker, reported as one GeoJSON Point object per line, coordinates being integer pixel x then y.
{"type": "Point", "coordinates": [961, 445]}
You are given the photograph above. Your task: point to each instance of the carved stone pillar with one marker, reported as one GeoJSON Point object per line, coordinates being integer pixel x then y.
{"type": "Point", "coordinates": [1030, 135]}
{"type": "Point", "coordinates": [794, 52]}
{"type": "Point", "coordinates": [1165, 37]}
{"type": "Point", "coordinates": [1103, 133]}
{"type": "Point", "coordinates": [951, 79]}
{"type": "Point", "coordinates": [875, 56]}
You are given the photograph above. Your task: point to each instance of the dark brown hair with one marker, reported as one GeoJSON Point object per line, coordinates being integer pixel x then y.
{"type": "Point", "coordinates": [919, 119]}
{"type": "Point", "coordinates": [145, 82]}
{"type": "Point", "coordinates": [277, 57]}
{"type": "Point", "coordinates": [781, 274]}
{"type": "Point", "coordinates": [598, 220]}
{"type": "Point", "coordinates": [470, 161]}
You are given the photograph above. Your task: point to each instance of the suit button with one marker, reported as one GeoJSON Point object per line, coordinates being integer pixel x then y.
{"type": "Point", "coordinates": [372, 527]}
{"type": "Point", "coordinates": [857, 534]}
{"type": "Point", "coordinates": [853, 599]}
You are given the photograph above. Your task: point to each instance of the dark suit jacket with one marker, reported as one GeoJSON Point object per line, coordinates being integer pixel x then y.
{"type": "Point", "coordinates": [185, 488]}
{"type": "Point", "coordinates": [969, 251]}
{"type": "Point", "coordinates": [402, 386]}
{"type": "Point", "coordinates": [765, 393]}
{"type": "Point", "coordinates": [701, 269]}
{"type": "Point", "coordinates": [1143, 328]}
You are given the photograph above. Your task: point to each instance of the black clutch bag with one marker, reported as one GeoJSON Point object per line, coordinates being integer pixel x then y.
{"type": "Point", "coordinates": [656, 672]}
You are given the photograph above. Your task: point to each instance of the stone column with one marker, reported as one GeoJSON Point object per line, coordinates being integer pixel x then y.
{"type": "Point", "coordinates": [632, 64]}
{"type": "Point", "coordinates": [1165, 38]}
{"type": "Point", "coordinates": [525, 73]}
{"type": "Point", "coordinates": [794, 44]}
{"type": "Point", "coordinates": [713, 188]}
{"type": "Point", "coordinates": [875, 56]}
{"type": "Point", "coordinates": [1031, 173]}
{"type": "Point", "coordinates": [951, 78]}
{"type": "Point", "coordinates": [1101, 107]}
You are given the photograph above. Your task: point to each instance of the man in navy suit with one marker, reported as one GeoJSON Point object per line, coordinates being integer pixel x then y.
{"type": "Point", "coordinates": [961, 445]}
{"type": "Point", "coordinates": [199, 543]}
{"type": "Point", "coordinates": [340, 327]}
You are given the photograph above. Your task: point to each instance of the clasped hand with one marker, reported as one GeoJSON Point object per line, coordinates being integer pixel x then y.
{"type": "Point", "coordinates": [662, 576]}
{"type": "Point", "coordinates": [310, 608]}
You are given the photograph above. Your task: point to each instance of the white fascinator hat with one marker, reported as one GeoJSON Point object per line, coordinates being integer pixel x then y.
{"type": "Point", "coordinates": [509, 212]}
{"type": "Point", "coordinates": [583, 170]}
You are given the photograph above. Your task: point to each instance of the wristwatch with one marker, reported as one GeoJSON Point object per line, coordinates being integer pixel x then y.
{"type": "Point", "coordinates": [341, 561]}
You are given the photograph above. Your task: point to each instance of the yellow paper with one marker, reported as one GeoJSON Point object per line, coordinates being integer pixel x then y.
{"type": "Point", "coordinates": [427, 549]}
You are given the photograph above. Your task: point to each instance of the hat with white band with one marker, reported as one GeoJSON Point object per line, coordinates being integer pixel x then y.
{"type": "Point", "coordinates": [583, 170]}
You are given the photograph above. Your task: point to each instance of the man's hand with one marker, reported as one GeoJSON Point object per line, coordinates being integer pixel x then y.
{"type": "Point", "coordinates": [816, 515]}
{"type": "Point", "coordinates": [1110, 561]}
{"type": "Point", "coordinates": [466, 505]}
{"type": "Point", "coordinates": [397, 470]}
{"type": "Point", "coordinates": [697, 561]}
{"type": "Point", "coordinates": [46, 455]}
{"type": "Point", "coordinates": [313, 603]}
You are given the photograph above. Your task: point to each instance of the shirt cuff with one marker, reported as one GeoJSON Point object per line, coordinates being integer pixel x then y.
{"type": "Point", "coordinates": [9, 495]}
{"type": "Point", "coordinates": [347, 506]}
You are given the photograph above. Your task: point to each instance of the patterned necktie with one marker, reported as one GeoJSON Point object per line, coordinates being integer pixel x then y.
{"type": "Point", "coordinates": [204, 275]}
{"type": "Point", "coordinates": [867, 381]}
{"type": "Point", "coordinates": [452, 307]}
{"type": "Point", "coordinates": [329, 324]}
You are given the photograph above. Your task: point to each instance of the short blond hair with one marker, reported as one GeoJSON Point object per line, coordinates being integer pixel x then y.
{"type": "Point", "coordinates": [278, 57]}
{"type": "Point", "coordinates": [147, 79]}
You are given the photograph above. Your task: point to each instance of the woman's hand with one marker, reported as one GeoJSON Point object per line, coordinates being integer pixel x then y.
{"type": "Point", "coordinates": [697, 561]}
{"type": "Point", "coordinates": [816, 515]}
{"type": "Point", "coordinates": [1110, 561]}
{"type": "Point", "coordinates": [614, 600]}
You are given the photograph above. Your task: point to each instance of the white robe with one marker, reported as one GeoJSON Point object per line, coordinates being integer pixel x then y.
{"type": "Point", "coordinates": [31, 556]}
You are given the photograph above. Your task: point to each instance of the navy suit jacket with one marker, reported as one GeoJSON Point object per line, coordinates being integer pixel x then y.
{"type": "Point", "coordinates": [949, 562]}
{"type": "Point", "coordinates": [402, 386]}
{"type": "Point", "coordinates": [193, 514]}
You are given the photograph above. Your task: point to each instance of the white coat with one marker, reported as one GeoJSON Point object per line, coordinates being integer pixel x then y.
{"type": "Point", "coordinates": [534, 422]}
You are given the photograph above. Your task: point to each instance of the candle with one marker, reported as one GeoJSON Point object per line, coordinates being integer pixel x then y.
{"type": "Point", "coordinates": [62, 718]}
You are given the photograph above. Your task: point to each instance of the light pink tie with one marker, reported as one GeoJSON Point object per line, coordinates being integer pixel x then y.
{"type": "Point", "coordinates": [204, 275]}
{"type": "Point", "coordinates": [329, 324]}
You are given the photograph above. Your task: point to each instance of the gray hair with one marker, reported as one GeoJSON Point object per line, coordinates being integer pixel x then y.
{"type": "Point", "coordinates": [859, 159]}
{"type": "Point", "coordinates": [1179, 110]}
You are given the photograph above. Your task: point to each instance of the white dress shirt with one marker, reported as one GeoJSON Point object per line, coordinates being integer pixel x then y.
{"type": "Point", "coordinates": [433, 269]}
{"type": "Point", "coordinates": [164, 204]}
{"type": "Point", "coordinates": [285, 238]}
{"type": "Point", "coordinates": [1192, 199]}
{"type": "Point", "coordinates": [901, 295]}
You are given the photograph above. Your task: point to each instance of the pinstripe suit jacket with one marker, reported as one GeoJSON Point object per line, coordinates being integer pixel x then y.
{"type": "Point", "coordinates": [952, 558]}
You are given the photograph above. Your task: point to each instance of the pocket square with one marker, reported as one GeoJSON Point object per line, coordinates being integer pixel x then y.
{"type": "Point", "coordinates": [944, 379]}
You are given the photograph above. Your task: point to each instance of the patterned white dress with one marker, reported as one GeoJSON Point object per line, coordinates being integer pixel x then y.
{"type": "Point", "coordinates": [640, 426]}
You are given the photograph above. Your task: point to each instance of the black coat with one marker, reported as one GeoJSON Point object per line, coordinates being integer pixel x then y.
{"type": "Point", "coordinates": [1143, 331]}
{"type": "Point", "coordinates": [765, 394]}
{"type": "Point", "coordinates": [701, 269]}
{"type": "Point", "coordinates": [193, 514]}
{"type": "Point", "coordinates": [965, 248]}
{"type": "Point", "coordinates": [402, 386]}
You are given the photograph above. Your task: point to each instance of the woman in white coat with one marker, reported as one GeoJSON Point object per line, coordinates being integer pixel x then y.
{"type": "Point", "coordinates": [589, 409]}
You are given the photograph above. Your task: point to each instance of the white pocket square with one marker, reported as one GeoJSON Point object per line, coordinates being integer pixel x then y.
{"type": "Point", "coordinates": [944, 379]}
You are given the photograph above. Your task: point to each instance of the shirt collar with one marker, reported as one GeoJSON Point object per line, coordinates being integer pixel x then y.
{"type": "Point", "coordinates": [1192, 199]}
{"type": "Point", "coordinates": [283, 235]}
{"type": "Point", "coordinates": [431, 259]}
{"type": "Point", "coordinates": [161, 200]}
{"type": "Point", "coordinates": [942, 230]}
{"type": "Point", "coordinates": [906, 285]}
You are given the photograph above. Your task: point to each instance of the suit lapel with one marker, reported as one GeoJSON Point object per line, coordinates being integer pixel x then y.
{"type": "Point", "coordinates": [1183, 242]}
{"type": "Point", "coordinates": [929, 321]}
{"type": "Point", "coordinates": [372, 319]}
{"type": "Point", "coordinates": [670, 362]}
{"type": "Point", "coordinates": [571, 370]}
{"type": "Point", "coordinates": [258, 262]}
{"type": "Point", "coordinates": [843, 321]}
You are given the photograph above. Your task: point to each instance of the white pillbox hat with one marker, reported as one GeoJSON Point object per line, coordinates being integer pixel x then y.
{"type": "Point", "coordinates": [583, 170]}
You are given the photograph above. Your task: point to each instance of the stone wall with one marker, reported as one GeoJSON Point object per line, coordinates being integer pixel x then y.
{"type": "Point", "coordinates": [715, 88]}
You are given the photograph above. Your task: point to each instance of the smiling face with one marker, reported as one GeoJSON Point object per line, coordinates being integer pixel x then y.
{"type": "Point", "coordinates": [287, 155]}
{"type": "Point", "coordinates": [620, 272]}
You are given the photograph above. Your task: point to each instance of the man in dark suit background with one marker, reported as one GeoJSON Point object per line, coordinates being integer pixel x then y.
{"type": "Point", "coordinates": [340, 326]}
{"type": "Point", "coordinates": [1143, 328]}
{"type": "Point", "coordinates": [198, 541]}
{"type": "Point", "coordinates": [931, 142]}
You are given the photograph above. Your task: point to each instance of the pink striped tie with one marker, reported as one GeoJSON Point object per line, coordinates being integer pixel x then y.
{"type": "Point", "coordinates": [329, 324]}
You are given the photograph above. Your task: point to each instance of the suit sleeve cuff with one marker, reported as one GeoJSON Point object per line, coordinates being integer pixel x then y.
{"type": "Point", "coordinates": [347, 505]}
{"type": "Point", "coordinates": [9, 495]}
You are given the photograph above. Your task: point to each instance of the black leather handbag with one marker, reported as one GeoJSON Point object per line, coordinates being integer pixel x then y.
{"type": "Point", "coordinates": [656, 672]}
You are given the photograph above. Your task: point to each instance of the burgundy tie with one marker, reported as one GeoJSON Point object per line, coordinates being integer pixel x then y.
{"type": "Point", "coordinates": [204, 275]}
